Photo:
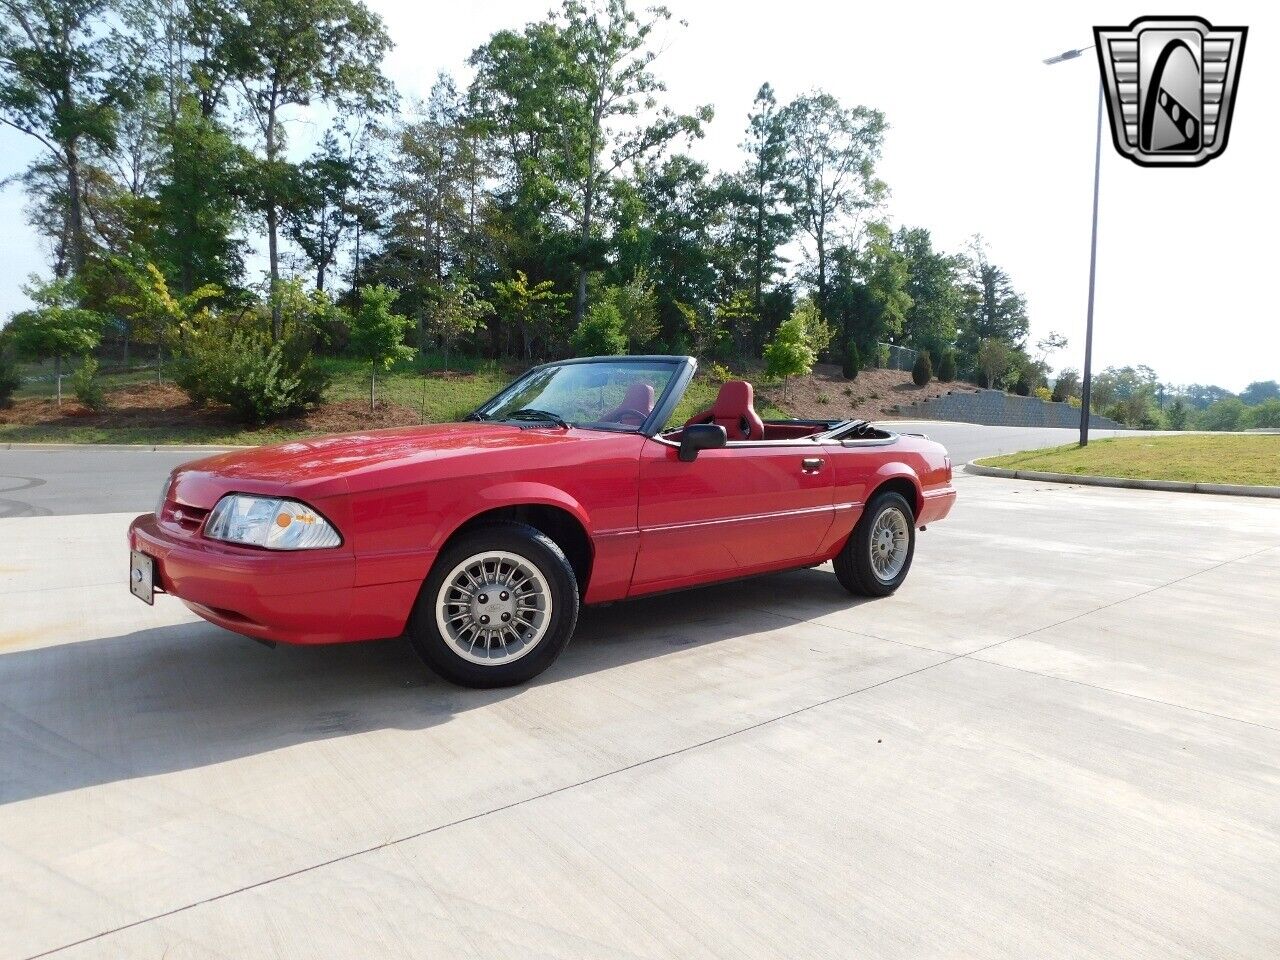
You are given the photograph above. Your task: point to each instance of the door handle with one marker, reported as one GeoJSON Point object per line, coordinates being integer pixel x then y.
{"type": "Point", "coordinates": [811, 464]}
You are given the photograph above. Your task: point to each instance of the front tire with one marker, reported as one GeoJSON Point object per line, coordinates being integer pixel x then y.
{"type": "Point", "coordinates": [498, 607]}
{"type": "Point", "coordinates": [876, 558]}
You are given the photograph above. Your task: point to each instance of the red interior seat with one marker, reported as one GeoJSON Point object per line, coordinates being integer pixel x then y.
{"type": "Point", "coordinates": [638, 399]}
{"type": "Point", "coordinates": [734, 411]}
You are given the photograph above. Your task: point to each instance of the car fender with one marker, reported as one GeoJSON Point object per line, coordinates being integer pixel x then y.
{"type": "Point", "coordinates": [896, 470]}
{"type": "Point", "coordinates": [512, 493]}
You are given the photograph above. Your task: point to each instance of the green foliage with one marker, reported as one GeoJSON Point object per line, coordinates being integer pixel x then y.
{"type": "Point", "coordinates": [259, 378]}
{"type": "Point", "coordinates": [705, 329]}
{"type": "Point", "coordinates": [149, 300]}
{"type": "Point", "coordinates": [536, 310]}
{"type": "Point", "coordinates": [601, 334]}
{"type": "Point", "coordinates": [1259, 392]}
{"type": "Point", "coordinates": [9, 379]}
{"type": "Point", "coordinates": [1067, 385]}
{"type": "Point", "coordinates": [637, 304]}
{"type": "Point", "coordinates": [1265, 414]}
{"type": "Point", "coordinates": [852, 362]}
{"type": "Point", "coordinates": [56, 327]}
{"type": "Point", "coordinates": [947, 367]}
{"type": "Point", "coordinates": [790, 353]}
{"type": "Point", "coordinates": [377, 334]}
{"type": "Point", "coordinates": [1177, 415]}
{"type": "Point", "coordinates": [993, 309]}
{"type": "Point", "coordinates": [456, 312]}
{"type": "Point", "coordinates": [86, 386]}
{"type": "Point", "coordinates": [719, 373]}
{"type": "Point", "coordinates": [922, 369]}
{"type": "Point", "coordinates": [994, 361]}
{"type": "Point", "coordinates": [1043, 393]}
{"type": "Point", "coordinates": [1225, 414]}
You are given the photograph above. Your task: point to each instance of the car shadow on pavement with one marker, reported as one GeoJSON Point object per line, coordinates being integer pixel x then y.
{"type": "Point", "coordinates": [166, 699]}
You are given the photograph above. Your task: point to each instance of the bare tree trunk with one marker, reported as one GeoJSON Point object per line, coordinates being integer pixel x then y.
{"type": "Point", "coordinates": [580, 301]}
{"type": "Point", "coordinates": [273, 229]}
{"type": "Point", "coordinates": [75, 209]}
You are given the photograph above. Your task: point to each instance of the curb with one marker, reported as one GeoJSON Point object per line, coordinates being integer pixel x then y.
{"type": "Point", "coordinates": [1171, 486]}
{"type": "Point", "coordinates": [140, 447]}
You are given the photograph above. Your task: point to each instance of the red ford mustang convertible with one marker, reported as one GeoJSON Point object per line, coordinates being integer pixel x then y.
{"type": "Point", "coordinates": [480, 539]}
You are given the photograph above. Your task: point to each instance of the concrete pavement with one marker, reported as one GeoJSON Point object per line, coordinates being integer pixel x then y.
{"type": "Point", "coordinates": [1060, 738]}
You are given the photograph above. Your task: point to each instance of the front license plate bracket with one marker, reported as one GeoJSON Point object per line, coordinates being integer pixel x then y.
{"type": "Point", "coordinates": [142, 576]}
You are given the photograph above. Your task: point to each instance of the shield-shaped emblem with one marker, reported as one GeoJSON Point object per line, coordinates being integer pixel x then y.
{"type": "Point", "coordinates": [1171, 85]}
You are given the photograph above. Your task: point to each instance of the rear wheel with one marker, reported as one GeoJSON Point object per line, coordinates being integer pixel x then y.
{"type": "Point", "coordinates": [878, 554]}
{"type": "Point", "coordinates": [498, 607]}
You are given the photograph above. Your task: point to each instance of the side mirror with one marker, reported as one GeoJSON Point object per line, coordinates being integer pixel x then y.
{"type": "Point", "coordinates": [701, 436]}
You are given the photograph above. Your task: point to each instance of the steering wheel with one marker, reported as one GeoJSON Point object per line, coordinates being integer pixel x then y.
{"type": "Point", "coordinates": [626, 412]}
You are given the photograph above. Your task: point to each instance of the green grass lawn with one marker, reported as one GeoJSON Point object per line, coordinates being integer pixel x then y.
{"type": "Point", "coordinates": [1194, 458]}
{"type": "Point", "coordinates": [442, 397]}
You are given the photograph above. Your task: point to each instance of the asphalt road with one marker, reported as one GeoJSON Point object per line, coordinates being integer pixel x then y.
{"type": "Point", "coordinates": [1060, 738]}
{"type": "Point", "coordinates": [36, 482]}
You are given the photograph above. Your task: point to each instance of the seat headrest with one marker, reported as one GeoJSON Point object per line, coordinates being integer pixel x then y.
{"type": "Point", "coordinates": [735, 397]}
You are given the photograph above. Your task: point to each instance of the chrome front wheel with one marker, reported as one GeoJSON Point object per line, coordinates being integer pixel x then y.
{"type": "Point", "coordinates": [494, 607]}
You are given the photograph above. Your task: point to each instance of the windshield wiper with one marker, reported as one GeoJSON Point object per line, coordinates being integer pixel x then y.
{"type": "Point", "coordinates": [474, 416]}
{"type": "Point", "coordinates": [532, 413]}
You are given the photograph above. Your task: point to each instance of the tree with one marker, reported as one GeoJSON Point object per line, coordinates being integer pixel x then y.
{"type": "Point", "coordinates": [993, 362]}
{"type": "Point", "coordinates": [832, 153]}
{"type": "Point", "coordinates": [637, 304]}
{"type": "Point", "coordinates": [377, 334]}
{"type": "Point", "coordinates": [56, 327]}
{"type": "Point", "coordinates": [325, 211]}
{"type": "Point", "coordinates": [867, 295]}
{"type": "Point", "coordinates": [601, 333]}
{"type": "Point", "coordinates": [536, 309]}
{"type": "Point", "coordinates": [789, 354]}
{"type": "Point", "coordinates": [1264, 415]}
{"type": "Point", "coordinates": [1258, 391]}
{"type": "Point", "coordinates": [768, 190]}
{"type": "Point", "coordinates": [198, 208]}
{"type": "Point", "coordinates": [852, 363]}
{"type": "Point", "coordinates": [1067, 385]}
{"type": "Point", "coordinates": [606, 65]}
{"type": "Point", "coordinates": [1049, 345]}
{"type": "Point", "coordinates": [705, 328]}
{"type": "Point", "coordinates": [993, 310]}
{"type": "Point", "coordinates": [1225, 414]}
{"type": "Point", "coordinates": [67, 70]}
{"type": "Point", "coordinates": [289, 53]}
{"type": "Point", "coordinates": [1177, 415]}
{"type": "Point", "coordinates": [932, 281]}
{"type": "Point", "coordinates": [151, 301]}
{"type": "Point", "coordinates": [457, 312]}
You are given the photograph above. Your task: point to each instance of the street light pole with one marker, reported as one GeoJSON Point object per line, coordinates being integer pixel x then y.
{"type": "Point", "coordinates": [1087, 379]}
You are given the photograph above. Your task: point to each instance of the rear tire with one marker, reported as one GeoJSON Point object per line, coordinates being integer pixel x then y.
{"type": "Point", "coordinates": [498, 607]}
{"type": "Point", "coordinates": [877, 556]}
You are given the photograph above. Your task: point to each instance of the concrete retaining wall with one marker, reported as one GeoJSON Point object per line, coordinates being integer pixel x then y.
{"type": "Point", "coordinates": [996, 408]}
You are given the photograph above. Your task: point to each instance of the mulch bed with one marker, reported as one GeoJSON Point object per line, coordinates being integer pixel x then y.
{"type": "Point", "coordinates": [826, 395]}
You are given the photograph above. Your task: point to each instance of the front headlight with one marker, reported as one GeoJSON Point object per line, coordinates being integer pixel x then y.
{"type": "Point", "coordinates": [270, 522]}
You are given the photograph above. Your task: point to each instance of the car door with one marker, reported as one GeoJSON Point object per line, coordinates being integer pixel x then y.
{"type": "Point", "coordinates": [742, 509]}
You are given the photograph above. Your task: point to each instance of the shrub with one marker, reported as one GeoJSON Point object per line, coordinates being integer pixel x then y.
{"type": "Point", "coordinates": [1023, 385]}
{"type": "Point", "coordinates": [86, 385]}
{"type": "Point", "coordinates": [852, 362]}
{"type": "Point", "coordinates": [1265, 414]}
{"type": "Point", "coordinates": [1225, 414]}
{"type": "Point", "coordinates": [1067, 385]}
{"type": "Point", "coordinates": [259, 379]}
{"type": "Point", "coordinates": [1176, 416]}
{"type": "Point", "coordinates": [9, 379]}
{"type": "Point", "coordinates": [601, 332]}
{"type": "Point", "coordinates": [922, 369]}
{"type": "Point", "coordinates": [720, 373]}
{"type": "Point", "coordinates": [947, 367]}
{"type": "Point", "coordinates": [1044, 393]}
{"type": "Point", "coordinates": [1073, 402]}
{"type": "Point", "coordinates": [847, 391]}
{"type": "Point", "coordinates": [823, 399]}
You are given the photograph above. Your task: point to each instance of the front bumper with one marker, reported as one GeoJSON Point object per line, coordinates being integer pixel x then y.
{"type": "Point", "coordinates": [304, 596]}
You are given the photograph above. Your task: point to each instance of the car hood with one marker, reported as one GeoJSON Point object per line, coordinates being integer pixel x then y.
{"type": "Point", "coordinates": [324, 466]}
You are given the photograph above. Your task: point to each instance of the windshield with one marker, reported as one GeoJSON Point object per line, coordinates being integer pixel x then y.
{"type": "Point", "coordinates": [605, 395]}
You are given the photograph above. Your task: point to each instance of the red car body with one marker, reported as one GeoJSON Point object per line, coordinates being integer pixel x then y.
{"type": "Point", "coordinates": [634, 518]}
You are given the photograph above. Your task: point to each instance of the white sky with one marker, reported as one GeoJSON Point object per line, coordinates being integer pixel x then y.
{"type": "Point", "coordinates": [983, 138]}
